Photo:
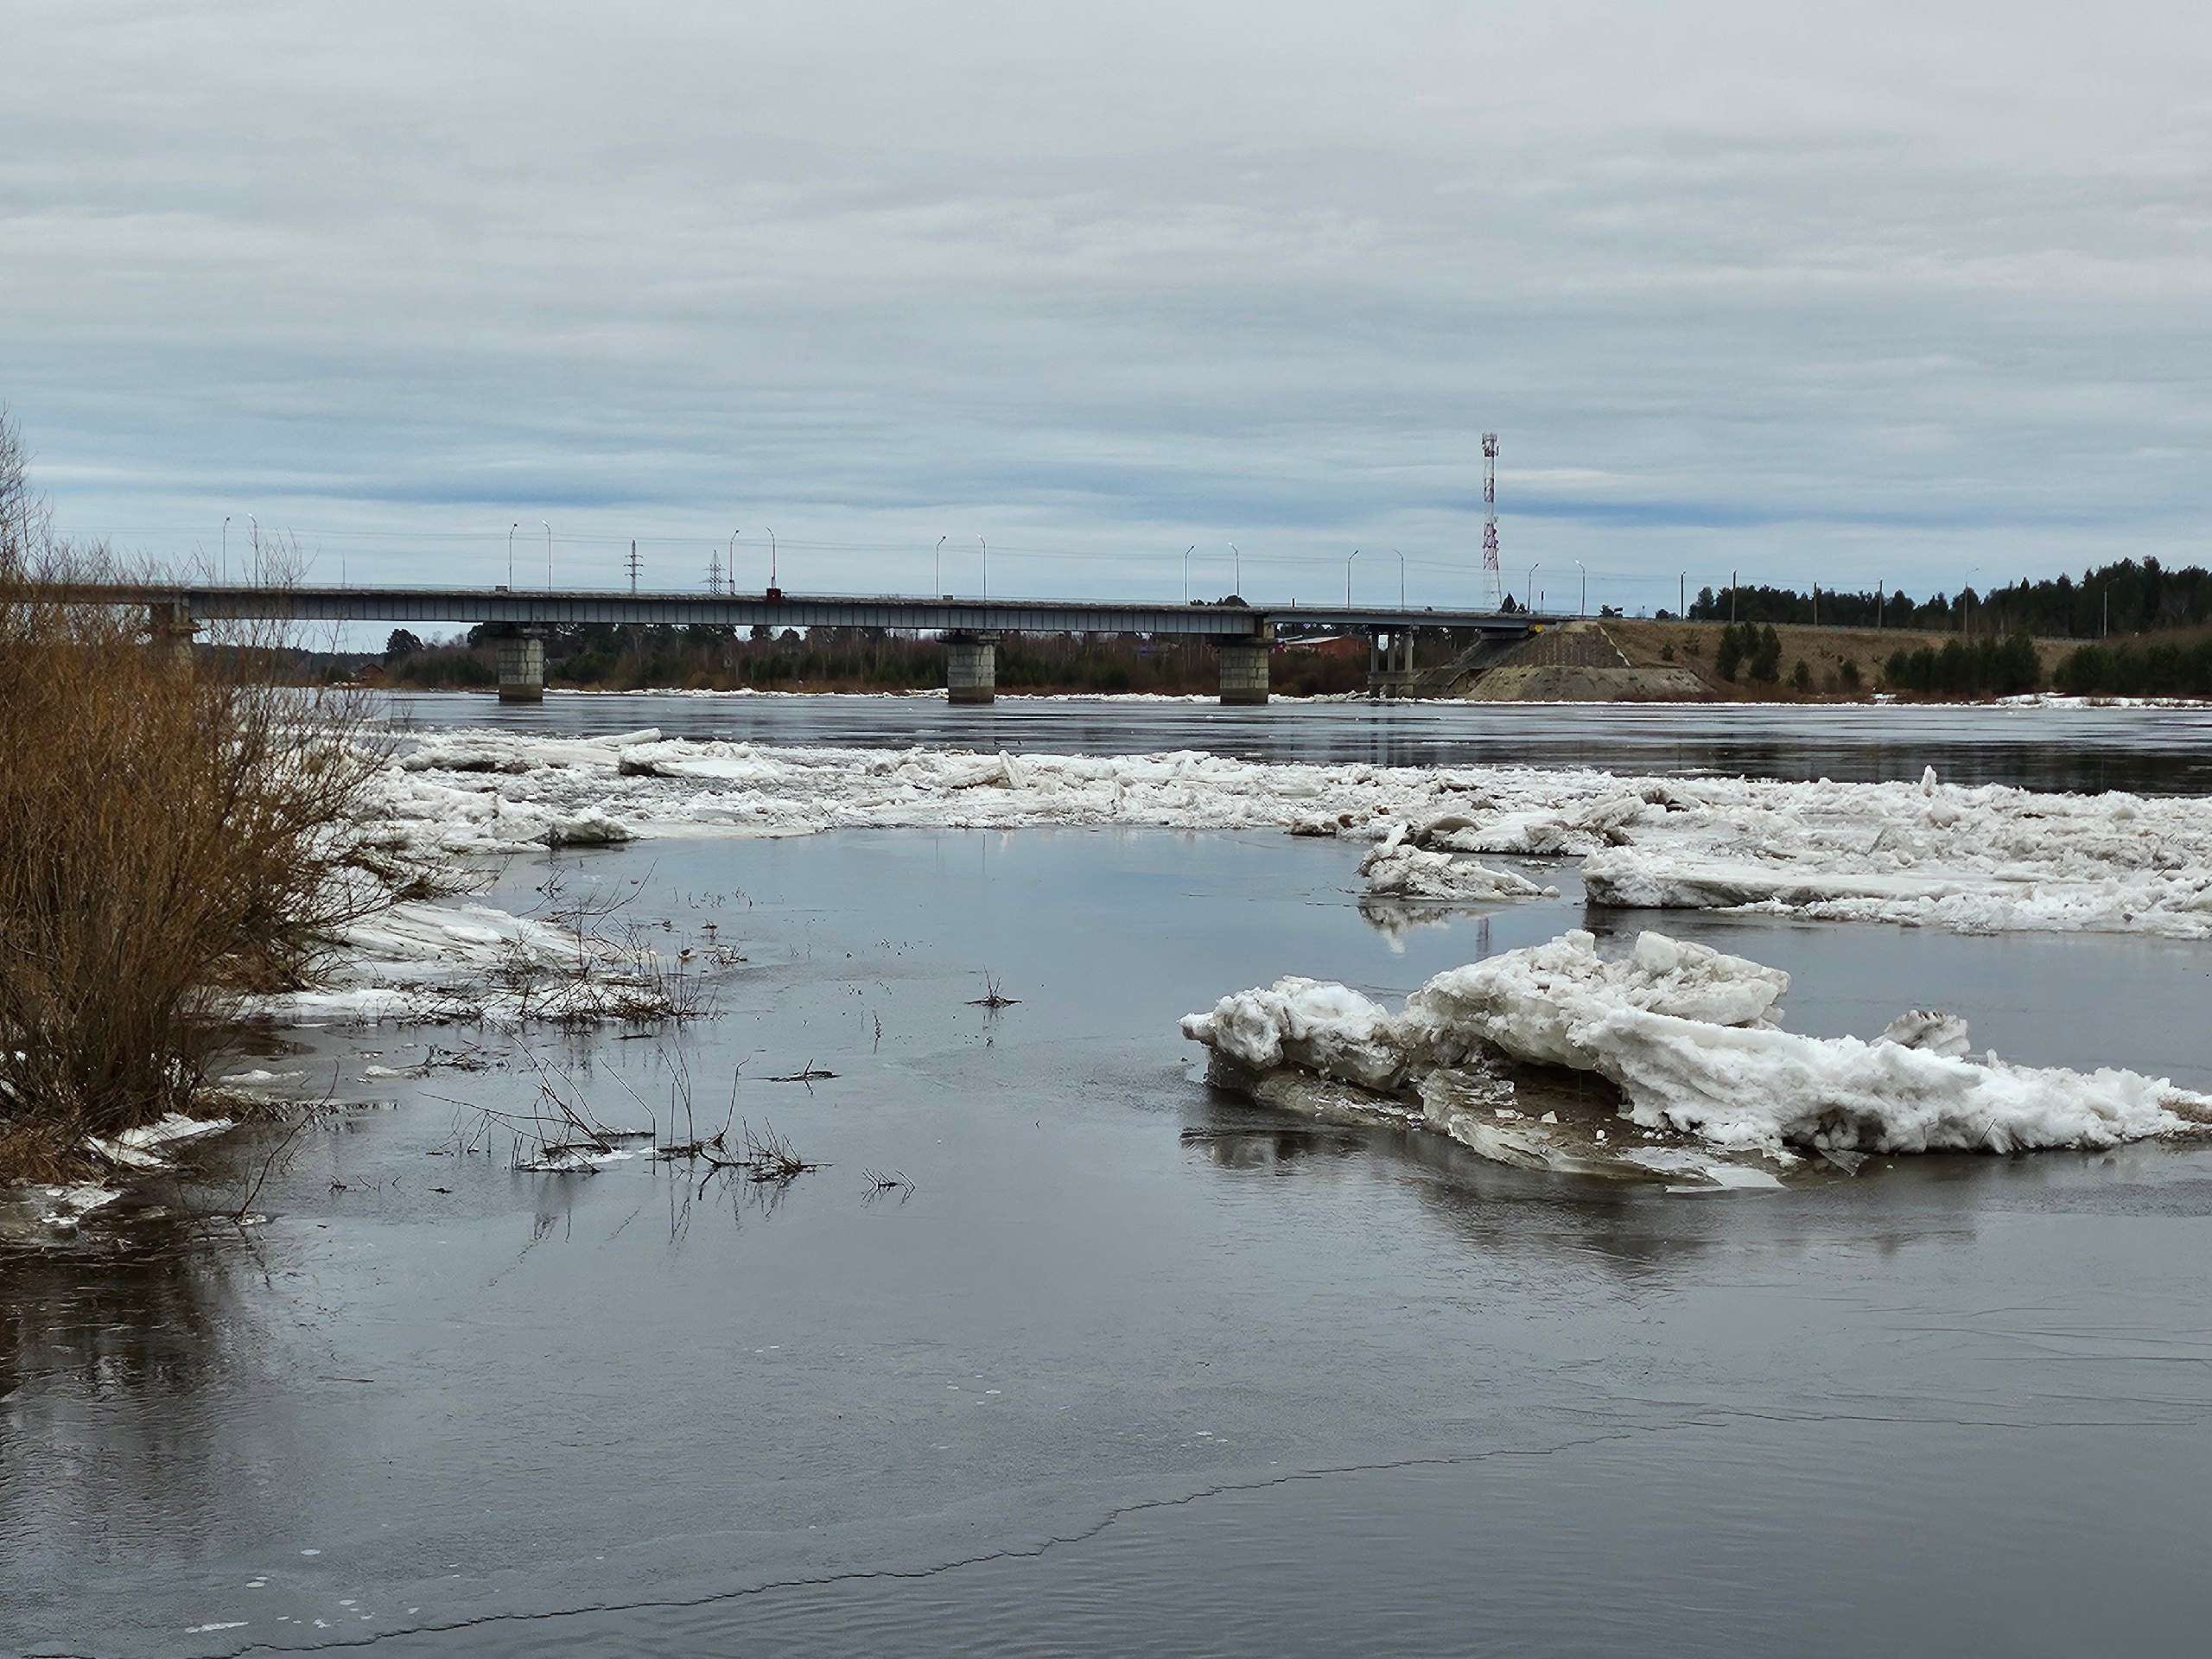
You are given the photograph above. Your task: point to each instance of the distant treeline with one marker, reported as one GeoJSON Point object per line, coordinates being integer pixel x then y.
{"type": "Point", "coordinates": [2129, 671]}
{"type": "Point", "coordinates": [2123, 598]}
{"type": "Point", "coordinates": [625, 657]}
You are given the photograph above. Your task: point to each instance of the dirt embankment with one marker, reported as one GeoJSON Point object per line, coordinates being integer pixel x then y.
{"type": "Point", "coordinates": [1824, 651]}
{"type": "Point", "coordinates": [1578, 663]}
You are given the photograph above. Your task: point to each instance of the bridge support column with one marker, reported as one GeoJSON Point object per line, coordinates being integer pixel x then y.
{"type": "Point", "coordinates": [522, 667]}
{"type": "Point", "coordinates": [1244, 671]}
{"type": "Point", "coordinates": [169, 628]}
{"type": "Point", "coordinates": [1389, 661]}
{"type": "Point", "coordinates": [971, 667]}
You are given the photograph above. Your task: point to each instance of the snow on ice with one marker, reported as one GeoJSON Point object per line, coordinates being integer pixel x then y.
{"type": "Point", "coordinates": [1707, 1086]}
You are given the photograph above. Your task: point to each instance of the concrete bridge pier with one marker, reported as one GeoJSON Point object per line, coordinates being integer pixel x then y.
{"type": "Point", "coordinates": [169, 628]}
{"type": "Point", "coordinates": [1244, 669]}
{"type": "Point", "coordinates": [971, 667]}
{"type": "Point", "coordinates": [522, 666]}
{"type": "Point", "coordinates": [1389, 661]}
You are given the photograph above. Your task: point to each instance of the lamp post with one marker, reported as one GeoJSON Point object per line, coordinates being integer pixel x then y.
{"type": "Point", "coordinates": [511, 551]}
{"type": "Point", "coordinates": [256, 523]}
{"type": "Point", "coordinates": [1528, 597]}
{"type": "Point", "coordinates": [1354, 553]}
{"type": "Point", "coordinates": [986, 546]}
{"type": "Point", "coordinates": [549, 556]}
{"type": "Point", "coordinates": [227, 549]}
{"type": "Point", "coordinates": [1582, 606]}
{"type": "Point", "coordinates": [1238, 569]}
{"type": "Point", "coordinates": [734, 535]}
{"type": "Point", "coordinates": [773, 584]}
{"type": "Point", "coordinates": [1187, 571]}
{"type": "Point", "coordinates": [938, 591]}
{"type": "Point", "coordinates": [1401, 578]}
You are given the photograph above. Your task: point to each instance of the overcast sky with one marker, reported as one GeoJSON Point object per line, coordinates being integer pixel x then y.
{"type": "Point", "coordinates": [1835, 293]}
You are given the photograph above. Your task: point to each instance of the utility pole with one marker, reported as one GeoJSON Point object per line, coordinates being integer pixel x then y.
{"type": "Point", "coordinates": [1732, 599]}
{"type": "Point", "coordinates": [1682, 598]}
{"type": "Point", "coordinates": [1493, 581]}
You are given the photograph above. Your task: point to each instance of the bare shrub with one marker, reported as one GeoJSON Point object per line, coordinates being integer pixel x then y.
{"type": "Point", "coordinates": [173, 832]}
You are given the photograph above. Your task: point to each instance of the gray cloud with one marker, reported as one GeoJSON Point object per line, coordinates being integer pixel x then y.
{"type": "Point", "coordinates": [1865, 292]}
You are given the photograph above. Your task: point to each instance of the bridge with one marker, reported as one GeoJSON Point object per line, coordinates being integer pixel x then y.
{"type": "Point", "coordinates": [1242, 633]}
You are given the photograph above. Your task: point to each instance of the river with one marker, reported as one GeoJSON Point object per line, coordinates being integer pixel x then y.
{"type": "Point", "coordinates": [1132, 1365]}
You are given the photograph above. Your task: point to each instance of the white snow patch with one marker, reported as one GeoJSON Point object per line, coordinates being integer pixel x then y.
{"type": "Point", "coordinates": [148, 1146]}
{"type": "Point", "coordinates": [567, 1160]}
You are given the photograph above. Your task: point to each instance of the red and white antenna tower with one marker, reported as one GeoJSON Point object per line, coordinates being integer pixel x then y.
{"type": "Point", "coordinates": [1493, 581]}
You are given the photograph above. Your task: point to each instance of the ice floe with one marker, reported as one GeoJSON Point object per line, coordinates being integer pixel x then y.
{"type": "Point", "coordinates": [1704, 1083]}
{"type": "Point", "coordinates": [1394, 869]}
{"type": "Point", "coordinates": [1926, 853]}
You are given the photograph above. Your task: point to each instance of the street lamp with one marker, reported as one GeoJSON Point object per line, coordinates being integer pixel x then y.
{"type": "Point", "coordinates": [256, 523]}
{"type": "Point", "coordinates": [1354, 553]}
{"type": "Point", "coordinates": [734, 535]}
{"type": "Point", "coordinates": [1528, 597]}
{"type": "Point", "coordinates": [227, 549]}
{"type": "Point", "coordinates": [1238, 577]}
{"type": "Point", "coordinates": [549, 556]}
{"type": "Point", "coordinates": [511, 551]}
{"type": "Point", "coordinates": [1187, 552]}
{"type": "Point", "coordinates": [986, 546]}
{"type": "Point", "coordinates": [937, 592]}
{"type": "Point", "coordinates": [774, 585]}
{"type": "Point", "coordinates": [1401, 578]}
{"type": "Point", "coordinates": [1583, 607]}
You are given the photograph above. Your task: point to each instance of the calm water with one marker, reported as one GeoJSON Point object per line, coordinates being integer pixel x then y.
{"type": "Point", "coordinates": [2151, 751]}
{"type": "Point", "coordinates": [1134, 1367]}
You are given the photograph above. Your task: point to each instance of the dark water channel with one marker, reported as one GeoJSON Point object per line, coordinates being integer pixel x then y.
{"type": "Point", "coordinates": [2151, 751]}
{"type": "Point", "coordinates": [1134, 1367]}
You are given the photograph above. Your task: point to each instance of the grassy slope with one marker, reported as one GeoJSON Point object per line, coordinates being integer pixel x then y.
{"type": "Point", "coordinates": [1823, 649]}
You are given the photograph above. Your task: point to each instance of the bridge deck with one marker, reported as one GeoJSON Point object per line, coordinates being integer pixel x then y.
{"type": "Point", "coordinates": [219, 602]}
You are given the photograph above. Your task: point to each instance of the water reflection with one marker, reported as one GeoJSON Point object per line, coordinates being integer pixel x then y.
{"type": "Point", "coordinates": [131, 1409]}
